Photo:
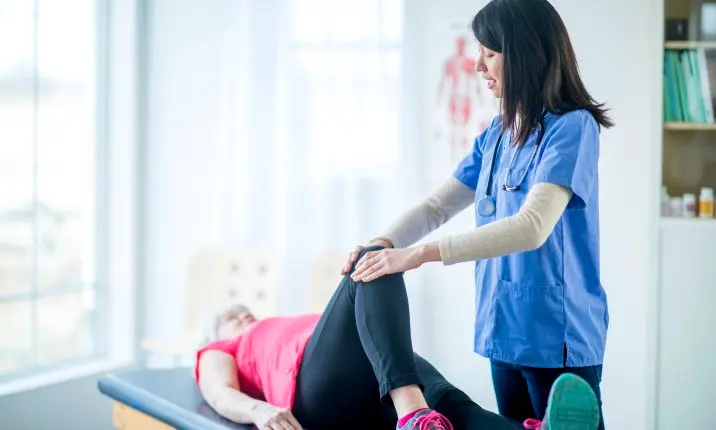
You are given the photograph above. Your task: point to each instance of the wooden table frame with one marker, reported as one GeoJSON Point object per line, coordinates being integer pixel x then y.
{"type": "Point", "coordinates": [127, 418]}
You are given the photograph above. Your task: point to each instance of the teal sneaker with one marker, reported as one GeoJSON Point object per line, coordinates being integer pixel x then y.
{"type": "Point", "coordinates": [572, 406]}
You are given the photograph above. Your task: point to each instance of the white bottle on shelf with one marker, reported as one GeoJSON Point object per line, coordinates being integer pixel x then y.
{"type": "Point", "coordinates": [677, 206]}
{"type": "Point", "coordinates": [689, 205]}
{"type": "Point", "coordinates": [665, 202]}
{"type": "Point", "coordinates": [706, 203]}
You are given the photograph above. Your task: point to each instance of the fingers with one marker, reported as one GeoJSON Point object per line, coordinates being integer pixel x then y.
{"type": "Point", "coordinates": [364, 264]}
{"type": "Point", "coordinates": [283, 421]}
{"type": "Point", "coordinates": [370, 269]}
{"type": "Point", "coordinates": [285, 425]}
{"type": "Point", "coordinates": [278, 425]}
{"type": "Point", "coordinates": [376, 271]}
{"type": "Point", "coordinates": [294, 422]}
{"type": "Point", "coordinates": [351, 259]}
{"type": "Point", "coordinates": [367, 259]}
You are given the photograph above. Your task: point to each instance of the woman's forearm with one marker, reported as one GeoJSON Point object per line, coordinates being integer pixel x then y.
{"type": "Point", "coordinates": [233, 404]}
{"type": "Point", "coordinates": [524, 231]}
{"type": "Point", "coordinates": [447, 201]}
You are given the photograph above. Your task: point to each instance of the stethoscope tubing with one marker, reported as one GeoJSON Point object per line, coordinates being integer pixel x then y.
{"type": "Point", "coordinates": [486, 205]}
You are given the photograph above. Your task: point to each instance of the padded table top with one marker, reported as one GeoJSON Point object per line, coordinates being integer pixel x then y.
{"type": "Point", "coordinates": [168, 395]}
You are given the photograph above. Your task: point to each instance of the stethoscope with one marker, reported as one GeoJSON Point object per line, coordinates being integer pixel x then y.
{"type": "Point", "coordinates": [486, 205]}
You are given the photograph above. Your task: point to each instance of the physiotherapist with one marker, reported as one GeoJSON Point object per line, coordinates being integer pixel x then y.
{"type": "Point", "coordinates": [532, 178]}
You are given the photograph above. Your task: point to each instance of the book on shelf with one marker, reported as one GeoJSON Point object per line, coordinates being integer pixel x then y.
{"type": "Point", "coordinates": [690, 85]}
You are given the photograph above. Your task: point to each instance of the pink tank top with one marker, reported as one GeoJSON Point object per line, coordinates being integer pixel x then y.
{"type": "Point", "coordinates": [268, 355]}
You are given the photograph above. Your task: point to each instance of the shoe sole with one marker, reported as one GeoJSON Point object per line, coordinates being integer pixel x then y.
{"type": "Point", "coordinates": [572, 405]}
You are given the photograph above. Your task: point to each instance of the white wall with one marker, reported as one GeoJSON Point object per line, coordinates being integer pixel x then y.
{"type": "Point", "coordinates": [450, 290]}
{"type": "Point", "coordinates": [627, 76]}
{"type": "Point", "coordinates": [621, 66]}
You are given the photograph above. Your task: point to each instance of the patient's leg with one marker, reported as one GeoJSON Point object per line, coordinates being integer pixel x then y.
{"type": "Point", "coordinates": [462, 412]}
{"type": "Point", "coordinates": [573, 405]}
{"type": "Point", "coordinates": [360, 353]}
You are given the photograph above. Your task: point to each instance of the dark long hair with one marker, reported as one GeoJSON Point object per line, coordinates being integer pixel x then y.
{"type": "Point", "coordinates": [539, 69]}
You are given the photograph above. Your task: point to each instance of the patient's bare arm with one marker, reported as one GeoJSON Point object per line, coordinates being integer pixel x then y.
{"type": "Point", "coordinates": [219, 384]}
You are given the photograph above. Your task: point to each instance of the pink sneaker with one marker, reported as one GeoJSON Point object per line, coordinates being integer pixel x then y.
{"type": "Point", "coordinates": [427, 420]}
{"type": "Point", "coordinates": [532, 424]}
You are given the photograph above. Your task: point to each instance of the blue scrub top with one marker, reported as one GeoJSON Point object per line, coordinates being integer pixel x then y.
{"type": "Point", "coordinates": [531, 305]}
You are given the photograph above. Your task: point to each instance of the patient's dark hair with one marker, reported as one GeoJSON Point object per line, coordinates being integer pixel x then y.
{"type": "Point", "coordinates": [540, 69]}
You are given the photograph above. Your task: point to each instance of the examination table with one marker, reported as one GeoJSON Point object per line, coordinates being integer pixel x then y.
{"type": "Point", "coordinates": [160, 399]}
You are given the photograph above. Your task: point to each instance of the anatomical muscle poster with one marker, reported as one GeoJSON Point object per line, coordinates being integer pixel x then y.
{"type": "Point", "coordinates": [464, 105]}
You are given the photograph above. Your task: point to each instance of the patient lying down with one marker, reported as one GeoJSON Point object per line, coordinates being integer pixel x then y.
{"type": "Point", "coordinates": [353, 367]}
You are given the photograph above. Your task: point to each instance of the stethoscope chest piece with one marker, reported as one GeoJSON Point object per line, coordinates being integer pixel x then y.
{"type": "Point", "coordinates": [486, 206]}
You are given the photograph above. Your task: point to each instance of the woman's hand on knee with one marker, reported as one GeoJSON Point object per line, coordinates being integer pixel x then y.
{"type": "Point", "coordinates": [353, 256]}
{"type": "Point", "coordinates": [375, 264]}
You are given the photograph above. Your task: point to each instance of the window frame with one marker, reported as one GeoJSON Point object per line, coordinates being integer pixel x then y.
{"type": "Point", "coordinates": [114, 288]}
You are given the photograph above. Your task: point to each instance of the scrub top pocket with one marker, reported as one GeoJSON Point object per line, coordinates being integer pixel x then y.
{"type": "Point", "coordinates": [528, 322]}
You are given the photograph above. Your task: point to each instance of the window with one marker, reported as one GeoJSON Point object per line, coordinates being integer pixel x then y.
{"type": "Point", "coordinates": [50, 232]}
{"type": "Point", "coordinates": [345, 84]}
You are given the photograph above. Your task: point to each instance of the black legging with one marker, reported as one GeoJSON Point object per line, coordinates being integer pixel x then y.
{"type": "Point", "coordinates": [360, 350]}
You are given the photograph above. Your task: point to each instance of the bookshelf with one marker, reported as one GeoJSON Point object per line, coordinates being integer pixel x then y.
{"type": "Point", "coordinates": [688, 141]}
{"type": "Point", "coordinates": [685, 266]}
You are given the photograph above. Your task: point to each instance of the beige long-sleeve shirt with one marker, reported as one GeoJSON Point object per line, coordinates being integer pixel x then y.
{"type": "Point", "coordinates": [528, 229]}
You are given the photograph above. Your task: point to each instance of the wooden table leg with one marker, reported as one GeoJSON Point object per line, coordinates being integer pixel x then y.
{"type": "Point", "coordinates": [127, 418]}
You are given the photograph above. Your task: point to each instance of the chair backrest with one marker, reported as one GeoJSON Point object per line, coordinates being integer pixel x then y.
{"type": "Point", "coordinates": [324, 278]}
{"type": "Point", "coordinates": [218, 278]}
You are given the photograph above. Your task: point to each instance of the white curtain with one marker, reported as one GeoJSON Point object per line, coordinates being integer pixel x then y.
{"type": "Point", "coordinates": [322, 149]}
{"type": "Point", "coordinates": [282, 126]}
